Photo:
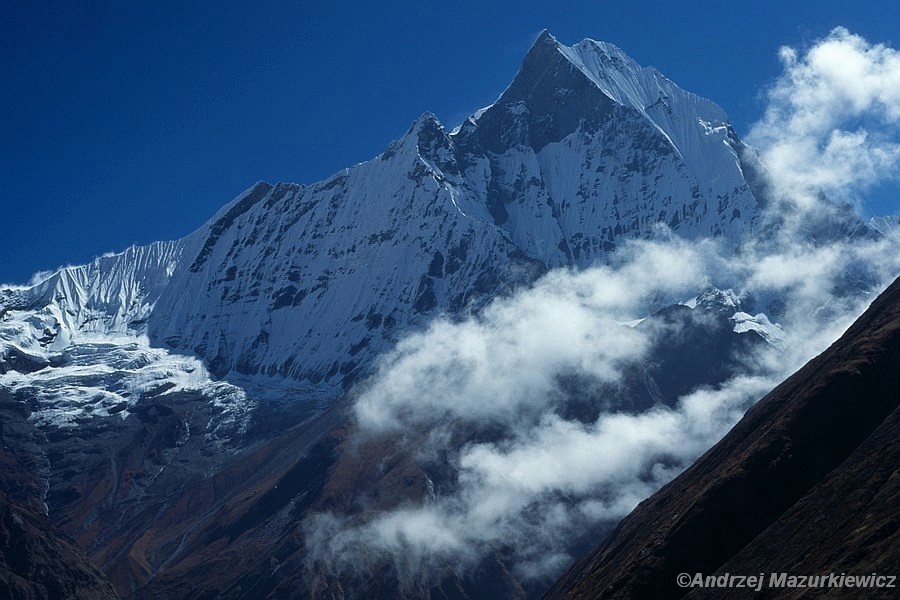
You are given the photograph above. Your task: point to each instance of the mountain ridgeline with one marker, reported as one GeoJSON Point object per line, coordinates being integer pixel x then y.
{"type": "Point", "coordinates": [584, 150]}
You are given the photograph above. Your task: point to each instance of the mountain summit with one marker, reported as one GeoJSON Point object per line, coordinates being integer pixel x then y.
{"type": "Point", "coordinates": [584, 149]}
{"type": "Point", "coordinates": [600, 149]}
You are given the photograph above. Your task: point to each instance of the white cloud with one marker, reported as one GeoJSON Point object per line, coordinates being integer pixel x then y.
{"type": "Point", "coordinates": [503, 363]}
{"type": "Point", "coordinates": [832, 125]}
{"type": "Point", "coordinates": [545, 479]}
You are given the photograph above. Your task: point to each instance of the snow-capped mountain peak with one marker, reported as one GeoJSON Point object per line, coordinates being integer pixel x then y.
{"type": "Point", "coordinates": [583, 150]}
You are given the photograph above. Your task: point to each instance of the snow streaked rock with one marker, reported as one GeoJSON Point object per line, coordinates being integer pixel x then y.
{"type": "Point", "coordinates": [887, 226]}
{"type": "Point", "coordinates": [308, 284]}
{"type": "Point", "coordinates": [760, 323]}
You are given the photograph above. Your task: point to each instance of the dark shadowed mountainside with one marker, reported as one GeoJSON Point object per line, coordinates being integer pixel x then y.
{"type": "Point", "coordinates": [37, 560]}
{"type": "Point", "coordinates": [807, 483]}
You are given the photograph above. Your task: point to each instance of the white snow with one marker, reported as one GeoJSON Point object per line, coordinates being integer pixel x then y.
{"type": "Point", "coordinates": [886, 226]}
{"type": "Point", "coordinates": [760, 323]}
{"type": "Point", "coordinates": [102, 376]}
{"type": "Point", "coordinates": [299, 287]}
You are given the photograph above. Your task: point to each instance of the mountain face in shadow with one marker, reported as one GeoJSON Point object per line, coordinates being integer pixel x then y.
{"type": "Point", "coordinates": [37, 560]}
{"type": "Point", "coordinates": [806, 483]}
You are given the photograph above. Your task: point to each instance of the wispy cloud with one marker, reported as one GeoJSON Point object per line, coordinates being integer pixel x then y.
{"type": "Point", "coordinates": [546, 478]}
{"type": "Point", "coordinates": [504, 362]}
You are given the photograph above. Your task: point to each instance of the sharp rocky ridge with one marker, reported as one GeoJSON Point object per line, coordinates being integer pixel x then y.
{"type": "Point", "coordinates": [584, 150]}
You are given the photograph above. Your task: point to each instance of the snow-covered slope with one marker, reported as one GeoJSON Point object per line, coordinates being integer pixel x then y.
{"type": "Point", "coordinates": [586, 147]}
{"type": "Point", "coordinates": [304, 282]}
{"type": "Point", "coordinates": [112, 296]}
{"type": "Point", "coordinates": [75, 344]}
{"type": "Point", "coordinates": [583, 150]}
{"type": "Point", "coordinates": [886, 226]}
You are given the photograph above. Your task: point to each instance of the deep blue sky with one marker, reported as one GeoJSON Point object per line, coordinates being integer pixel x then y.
{"type": "Point", "coordinates": [127, 122]}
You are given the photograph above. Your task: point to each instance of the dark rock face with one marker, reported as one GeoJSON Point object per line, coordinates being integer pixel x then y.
{"type": "Point", "coordinates": [37, 560]}
{"type": "Point", "coordinates": [16, 360]}
{"type": "Point", "coordinates": [692, 347]}
{"type": "Point", "coordinates": [548, 100]}
{"type": "Point", "coordinates": [127, 492]}
{"type": "Point", "coordinates": [805, 483]}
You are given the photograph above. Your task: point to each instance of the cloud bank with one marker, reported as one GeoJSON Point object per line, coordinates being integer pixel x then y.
{"type": "Point", "coordinates": [503, 363]}
{"type": "Point", "coordinates": [541, 477]}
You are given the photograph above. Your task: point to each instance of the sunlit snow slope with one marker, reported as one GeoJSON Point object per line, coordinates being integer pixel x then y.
{"type": "Point", "coordinates": [584, 149]}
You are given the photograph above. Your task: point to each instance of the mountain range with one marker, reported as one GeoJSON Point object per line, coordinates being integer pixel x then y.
{"type": "Point", "coordinates": [309, 283]}
{"type": "Point", "coordinates": [177, 413]}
